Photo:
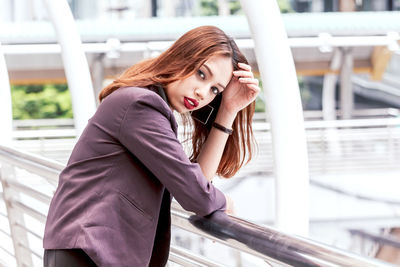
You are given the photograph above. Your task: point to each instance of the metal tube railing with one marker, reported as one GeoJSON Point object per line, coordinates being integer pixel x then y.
{"type": "Point", "coordinates": [266, 242]}
{"type": "Point", "coordinates": [30, 250]}
{"type": "Point", "coordinates": [5, 233]}
{"type": "Point", "coordinates": [275, 247]}
{"type": "Point", "coordinates": [28, 230]}
{"type": "Point", "coordinates": [28, 210]}
{"type": "Point", "coordinates": [24, 159]}
{"type": "Point", "coordinates": [41, 166]}
{"type": "Point", "coordinates": [353, 123]}
{"type": "Point", "coordinates": [30, 192]}
{"type": "Point", "coordinates": [7, 251]}
{"type": "Point", "coordinates": [383, 240]}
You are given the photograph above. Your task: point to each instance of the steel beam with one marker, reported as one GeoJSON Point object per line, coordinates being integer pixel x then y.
{"type": "Point", "coordinates": [283, 103]}
{"type": "Point", "coordinates": [5, 102]}
{"type": "Point", "coordinates": [75, 62]}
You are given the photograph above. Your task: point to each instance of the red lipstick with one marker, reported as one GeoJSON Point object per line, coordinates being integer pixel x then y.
{"type": "Point", "coordinates": [190, 103]}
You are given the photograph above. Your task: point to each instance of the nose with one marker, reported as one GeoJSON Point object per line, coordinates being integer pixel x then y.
{"type": "Point", "coordinates": [200, 93]}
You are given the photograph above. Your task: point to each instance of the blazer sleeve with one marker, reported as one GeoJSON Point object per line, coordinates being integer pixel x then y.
{"type": "Point", "coordinates": [147, 133]}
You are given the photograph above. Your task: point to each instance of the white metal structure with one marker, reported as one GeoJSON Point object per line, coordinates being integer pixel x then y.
{"type": "Point", "coordinates": [283, 103]}
{"type": "Point", "coordinates": [5, 99]}
{"type": "Point", "coordinates": [75, 63]}
{"type": "Point", "coordinates": [329, 86]}
{"type": "Point", "coordinates": [346, 89]}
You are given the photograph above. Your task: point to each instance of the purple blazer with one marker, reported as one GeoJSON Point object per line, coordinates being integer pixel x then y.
{"type": "Point", "coordinates": [113, 198]}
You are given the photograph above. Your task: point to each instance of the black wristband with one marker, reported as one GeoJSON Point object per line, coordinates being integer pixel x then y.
{"type": "Point", "coordinates": [222, 128]}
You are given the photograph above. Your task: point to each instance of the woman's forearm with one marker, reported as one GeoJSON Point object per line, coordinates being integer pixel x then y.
{"type": "Point", "coordinates": [212, 150]}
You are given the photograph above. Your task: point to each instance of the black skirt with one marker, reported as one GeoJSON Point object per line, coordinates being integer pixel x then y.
{"type": "Point", "coordinates": [67, 258]}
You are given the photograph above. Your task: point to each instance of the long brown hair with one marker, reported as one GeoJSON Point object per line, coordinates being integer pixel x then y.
{"type": "Point", "coordinates": [180, 61]}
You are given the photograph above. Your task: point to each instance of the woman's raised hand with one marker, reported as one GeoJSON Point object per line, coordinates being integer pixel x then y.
{"type": "Point", "coordinates": [241, 90]}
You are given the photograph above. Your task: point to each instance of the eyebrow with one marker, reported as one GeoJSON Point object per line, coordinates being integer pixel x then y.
{"type": "Point", "coordinates": [211, 74]}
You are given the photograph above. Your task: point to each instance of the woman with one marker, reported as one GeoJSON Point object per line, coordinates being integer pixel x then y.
{"type": "Point", "coordinates": [112, 204]}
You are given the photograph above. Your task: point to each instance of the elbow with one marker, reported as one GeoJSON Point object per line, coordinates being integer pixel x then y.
{"type": "Point", "coordinates": [202, 210]}
{"type": "Point", "coordinates": [211, 209]}
{"type": "Point", "coordinates": [206, 210]}
{"type": "Point", "coordinates": [206, 205]}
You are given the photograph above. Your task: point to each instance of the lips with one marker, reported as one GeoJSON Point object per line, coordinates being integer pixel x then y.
{"type": "Point", "coordinates": [190, 103]}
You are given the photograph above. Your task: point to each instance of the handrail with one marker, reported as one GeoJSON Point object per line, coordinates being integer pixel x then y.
{"type": "Point", "coordinates": [311, 125]}
{"type": "Point", "coordinates": [265, 242]}
{"type": "Point", "coordinates": [28, 230]}
{"type": "Point", "coordinates": [28, 210]}
{"type": "Point", "coordinates": [308, 115]}
{"type": "Point", "coordinates": [4, 232]}
{"type": "Point", "coordinates": [384, 122]}
{"type": "Point", "coordinates": [19, 157]}
{"type": "Point", "coordinates": [53, 133]}
{"type": "Point", "coordinates": [49, 169]}
{"type": "Point", "coordinates": [383, 240]}
{"type": "Point", "coordinates": [42, 123]}
{"type": "Point", "coordinates": [6, 251]}
{"type": "Point", "coordinates": [30, 192]}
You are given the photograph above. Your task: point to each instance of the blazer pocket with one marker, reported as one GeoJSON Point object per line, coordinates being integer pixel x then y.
{"type": "Point", "coordinates": [135, 205]}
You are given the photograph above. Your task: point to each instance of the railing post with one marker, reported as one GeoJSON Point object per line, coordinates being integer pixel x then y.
{"type": "Point", "coordinates": [346, 86]}
{"type": "Point", "coordinates": [15, 218]}
{"type": "Point", "coordinates": [329, 102]}
{"type": "Point", "coordinates": [329, 87]}
{"type": "Point", "coordinates": [98, 74]}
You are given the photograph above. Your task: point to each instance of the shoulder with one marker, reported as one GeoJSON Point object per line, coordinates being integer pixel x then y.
{"type": "Point", "coordinates": [138, 103]}
{"type": "Point", "coordinates": [137, 97]}
{"type": "Point", "coordinates": [134, 94]}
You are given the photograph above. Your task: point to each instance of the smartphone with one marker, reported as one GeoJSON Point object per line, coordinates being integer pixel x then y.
{"type": "Point", "coordinates": [202, 115]}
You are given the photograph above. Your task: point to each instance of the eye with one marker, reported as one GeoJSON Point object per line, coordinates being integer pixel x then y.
{"type": "Point", "coordinates": [215, 90]}
{"type": "Point", "coordinates": [201, 74]}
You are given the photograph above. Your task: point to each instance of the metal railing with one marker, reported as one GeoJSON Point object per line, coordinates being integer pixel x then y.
{"type": "Point", "coordinates": [369, 141]}
{"type": "Point", "coordinates": [25, 200]}
{"type": "Point", "coordinates": [377, 238]}
{"type": "Point", "coordinates": [339, 146]}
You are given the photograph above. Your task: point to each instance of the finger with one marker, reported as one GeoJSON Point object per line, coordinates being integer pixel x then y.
{"type": "Point", "coordinates": [242, 73]}
{"type": "Point", "coordinates": [248, 81]}
{"type": "Point", "coordinates": [256, 90]}
{"type": "Point", "coordinates": [244, 66]}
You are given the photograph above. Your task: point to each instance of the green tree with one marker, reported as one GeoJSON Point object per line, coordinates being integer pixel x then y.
{"type": "Point", "coordinates": [210, 7]}
{"type": "Point", "coordinates": [41, 101]}
{"type": "Point", "coordinates": [284, 6]}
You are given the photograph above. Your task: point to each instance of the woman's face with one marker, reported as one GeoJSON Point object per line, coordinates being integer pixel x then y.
{"type": "Point", "coordinates": [200, 88]}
